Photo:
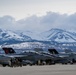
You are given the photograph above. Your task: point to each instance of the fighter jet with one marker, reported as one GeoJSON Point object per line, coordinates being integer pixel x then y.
{"type": "Point", "coordinates": [10, 53]}
{"type": "Point", "coordinates": [60, 57]}
{"type": "Point", "coordinates": [49, 61]}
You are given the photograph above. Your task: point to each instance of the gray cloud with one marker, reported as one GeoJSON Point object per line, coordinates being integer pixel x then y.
{"type": "Point", "coordinates": [40, 24]}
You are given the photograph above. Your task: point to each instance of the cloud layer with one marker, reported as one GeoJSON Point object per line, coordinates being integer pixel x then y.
{"type": "Point", "coordinates": [40, 24]}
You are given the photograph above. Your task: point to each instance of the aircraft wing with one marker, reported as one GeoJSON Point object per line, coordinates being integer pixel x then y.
{"type": "Point", "coordinates": [16, 56]}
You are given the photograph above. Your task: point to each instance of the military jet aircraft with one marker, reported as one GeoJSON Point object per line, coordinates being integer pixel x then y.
{"type": "Point", "coordinates": [67, 57]}
{"type": "Point", "coordinates": [10, 53]}
{"type": "Point", "coordinates": [63, 58]}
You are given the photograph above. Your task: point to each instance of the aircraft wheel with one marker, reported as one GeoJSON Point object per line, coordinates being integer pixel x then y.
{"type": "Point", "coordinates": [72, 61]}
{"type": "Point", "coordinates": [4, 65]}
{"type": "Point", "coordinates": [66, 63]}
{"type": "Point", "coordinates": [30, 64]}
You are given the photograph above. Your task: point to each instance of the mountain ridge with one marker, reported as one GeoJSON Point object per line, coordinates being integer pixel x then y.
{"type": "Point", "coordinates": [60, 35]}
{"type": "Point", "coordinates": [56, 35]}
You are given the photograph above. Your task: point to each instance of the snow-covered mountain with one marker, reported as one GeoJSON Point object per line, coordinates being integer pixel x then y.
{"type": "Point", "coordinates": [12, 37]}
{"type": "Point", "coordinates": [34, 35]}
{"type": "Point", "coordinates": [59, 35]}
{"type": "Point", "coordinates": [54, 35]}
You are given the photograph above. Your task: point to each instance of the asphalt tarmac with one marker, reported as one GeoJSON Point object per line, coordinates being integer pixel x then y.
{"type": "Point", "coordinates": [40, 70]}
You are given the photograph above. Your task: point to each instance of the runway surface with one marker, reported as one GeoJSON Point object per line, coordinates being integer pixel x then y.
{"type": "Point", "coordinates": [40, 70]}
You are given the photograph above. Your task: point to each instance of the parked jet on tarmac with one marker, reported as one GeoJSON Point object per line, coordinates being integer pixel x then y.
{"type": "Point", "coordinates": [67, 57]}
{"type": "Point", "coordinates": [9, 52]}
{"type": "Point", "coordinates": [63, 58]}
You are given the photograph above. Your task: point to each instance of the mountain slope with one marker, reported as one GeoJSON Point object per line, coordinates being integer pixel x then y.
{"type": "Point", "coordinates": [59, 35]}
{"type": "Point", "coordinates": [9, 36]}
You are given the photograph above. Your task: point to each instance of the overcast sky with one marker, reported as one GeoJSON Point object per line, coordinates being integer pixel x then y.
{"type": "Point", "coordinates": [37, 15]}
{"type": "Point", "coordinates": [23, 8]}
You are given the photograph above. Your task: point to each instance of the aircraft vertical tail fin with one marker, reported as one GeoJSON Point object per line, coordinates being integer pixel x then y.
{"type": "Point", "coordinates": [53, 51]}
{"type": "Point", "coordinates": [8, 50]}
